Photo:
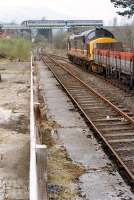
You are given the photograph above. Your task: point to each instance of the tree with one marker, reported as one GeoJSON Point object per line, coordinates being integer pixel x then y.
{"type": "Point", "coordinates": [126, 5]}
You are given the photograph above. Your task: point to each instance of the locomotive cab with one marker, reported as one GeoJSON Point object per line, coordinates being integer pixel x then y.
{"type": "Point", "coordinates": [82, 45]}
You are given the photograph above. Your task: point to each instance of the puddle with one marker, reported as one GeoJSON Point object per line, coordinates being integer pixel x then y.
{"type": "Point", "coordinates": [19, 124]}
{"type": "Point", "coordinates": [5, 115]}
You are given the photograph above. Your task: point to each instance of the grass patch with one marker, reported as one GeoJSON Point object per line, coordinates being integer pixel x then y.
{"type": "Point", "coordinates": [63, 174]}
{"type": "Point", "coordinates": [16, 48]}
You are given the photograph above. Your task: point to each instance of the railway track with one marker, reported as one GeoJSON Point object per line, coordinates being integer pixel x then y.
{"type": "Point", "coordinates": [110, 80]}
{"type": "Point", "coordinates": [106, 89]}
{"type": "Point", "coordinates": [114, 125]}
{"type": "Point", "coordinates": [59, 57]}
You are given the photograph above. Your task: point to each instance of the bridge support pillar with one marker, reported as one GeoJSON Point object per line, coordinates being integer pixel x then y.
{"type": "Point", "coordinates": [47, 33]}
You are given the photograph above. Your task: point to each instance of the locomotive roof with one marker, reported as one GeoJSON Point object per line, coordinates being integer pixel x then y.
{"type": "Point", "coordinates": [85, 33]}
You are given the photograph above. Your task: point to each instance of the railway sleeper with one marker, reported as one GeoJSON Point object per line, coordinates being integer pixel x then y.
{"type": "Point", "coordinates": [119, 137]}
{"type": "Point", "coordinates": [113, 128]}
{"type": "Point", "coordinates": [110, 123]}
{"type": "Point", "coordinates": [119, 134]}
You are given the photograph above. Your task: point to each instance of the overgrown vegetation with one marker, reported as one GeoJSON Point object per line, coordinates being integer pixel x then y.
{"type": "Point", "coordinates": [16, 48]}
{"type": "Point", "coordinates": [60, 40]}
{"type": "Point", "coordinates": [124, 34]}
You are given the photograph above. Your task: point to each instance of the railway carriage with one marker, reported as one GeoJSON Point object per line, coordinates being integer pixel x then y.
{"type": "Point", "coordinates": [98, 50]}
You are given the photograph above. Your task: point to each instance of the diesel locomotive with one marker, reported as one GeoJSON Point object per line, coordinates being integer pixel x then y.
{"type": "Point", "coordinates": [99, 51]}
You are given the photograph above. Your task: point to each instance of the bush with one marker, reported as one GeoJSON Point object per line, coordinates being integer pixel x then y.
{"type": "Point", "coordinates": [17, 48]}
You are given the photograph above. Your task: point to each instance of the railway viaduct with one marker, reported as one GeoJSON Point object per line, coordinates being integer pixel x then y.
{"type": "Point", "coordinates": [47, 26]}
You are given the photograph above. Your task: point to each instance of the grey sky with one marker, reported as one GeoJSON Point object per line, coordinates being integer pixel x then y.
{"type": "Point", "coordinates": [18, 10]}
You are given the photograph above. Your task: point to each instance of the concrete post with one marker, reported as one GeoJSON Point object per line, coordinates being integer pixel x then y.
{"type": "Point", "coordinates": [41, 155]}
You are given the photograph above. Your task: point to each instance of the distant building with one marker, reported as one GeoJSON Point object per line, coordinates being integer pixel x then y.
{"type": "Point", "coordinates": [4, 35]}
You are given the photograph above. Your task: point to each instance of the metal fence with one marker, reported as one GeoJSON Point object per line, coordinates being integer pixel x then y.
{"type": "Point", "coordinates": [38, 154]}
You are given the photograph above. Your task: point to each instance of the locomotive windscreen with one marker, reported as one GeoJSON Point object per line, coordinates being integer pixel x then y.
{"type": "Point", "coordinates": [103, 33]}
{"type": "Point", "coordinates": [99, 33]}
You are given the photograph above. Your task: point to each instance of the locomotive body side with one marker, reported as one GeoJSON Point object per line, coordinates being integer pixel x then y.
{"type": "Point", "coordinates": [103, 54]}
{"type": "Point", "coordinates": [117, 64]}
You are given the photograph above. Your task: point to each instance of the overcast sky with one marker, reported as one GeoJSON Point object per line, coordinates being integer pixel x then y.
{"type": "Point", "coordinates": [18, 10]}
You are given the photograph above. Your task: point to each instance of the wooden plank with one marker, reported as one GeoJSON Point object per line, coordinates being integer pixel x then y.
{"type": "Point", "coordinates": [120, 134]}
{"type": "Point", "coordinates": [116, 128]}
{"type": "Point", "coordinates": [108, 118]}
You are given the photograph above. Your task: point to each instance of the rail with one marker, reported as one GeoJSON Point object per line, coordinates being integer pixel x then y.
{"type": "Point", "coordinates": [38, 157]}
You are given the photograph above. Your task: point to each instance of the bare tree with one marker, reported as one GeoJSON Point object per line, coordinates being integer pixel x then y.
{"type": "Point", "coordinates": [60, 39]}
{"type": "Point", "coordinates": [115, 21]}
{"type": "Point", "coordinates": [124, 34]}
{"type": "Point", "coordinates": [126, 5]}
